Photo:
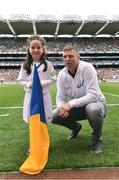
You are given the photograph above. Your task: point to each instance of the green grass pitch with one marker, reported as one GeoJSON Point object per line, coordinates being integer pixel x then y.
{"type": "Point", "coordinates": [14, 134]}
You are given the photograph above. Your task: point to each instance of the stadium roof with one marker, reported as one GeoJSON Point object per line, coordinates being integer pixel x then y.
{"type": "Point", "coordinates": [48, 25]}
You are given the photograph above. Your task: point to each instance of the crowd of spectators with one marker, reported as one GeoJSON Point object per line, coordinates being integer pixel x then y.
{"type": "Point", "coordinates": [55, 45]}
{"type": "Point", "coordinates": [12, 45]}
{"type": "Point", "coordinates": [94, 45]}
{"type": "Point", "coordinates": [104, 74]}
{"type": "Point", "coordinates": [108, 74]}
{"type": "Point", "coordinates": [8, 75]}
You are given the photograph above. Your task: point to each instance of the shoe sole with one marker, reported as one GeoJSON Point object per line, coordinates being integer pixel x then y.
{"type": "Point", "coordinates": [96, 152]}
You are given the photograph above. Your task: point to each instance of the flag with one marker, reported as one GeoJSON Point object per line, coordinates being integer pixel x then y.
{"type": "Point", "coordinates": [39, 137]}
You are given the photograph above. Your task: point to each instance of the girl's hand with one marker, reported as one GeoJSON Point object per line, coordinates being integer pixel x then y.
{"type": "Point", "coordinates": [30, 86]}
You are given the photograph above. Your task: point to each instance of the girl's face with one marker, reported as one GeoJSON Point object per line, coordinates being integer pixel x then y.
{"type": "Point", "coordinates": [36, 50]}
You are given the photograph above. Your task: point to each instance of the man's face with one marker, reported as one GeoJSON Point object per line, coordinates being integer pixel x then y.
{"type": "Point", "coordinates": [71, 58]}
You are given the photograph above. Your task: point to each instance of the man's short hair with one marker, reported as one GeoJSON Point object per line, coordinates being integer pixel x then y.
{"type": "Point", "coordinates": [68, 48]}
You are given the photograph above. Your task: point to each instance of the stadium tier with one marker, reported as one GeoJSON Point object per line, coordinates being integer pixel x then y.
{"type": "Point", "coordinates": [103, 53]}
{"type": "Point", "coordinates": [73, 25]}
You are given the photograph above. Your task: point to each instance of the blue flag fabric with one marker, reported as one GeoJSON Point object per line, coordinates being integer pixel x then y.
{"type": "Point", "coordinates": [39, 137]}
{"type": "Point", "coordinates": [37, 104]}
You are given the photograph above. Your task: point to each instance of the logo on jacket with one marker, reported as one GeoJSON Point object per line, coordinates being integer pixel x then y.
{"type": "Point", "coordinates": [81, 83]}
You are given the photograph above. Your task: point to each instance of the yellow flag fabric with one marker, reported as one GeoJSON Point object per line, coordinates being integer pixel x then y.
{"type": "Point", "coordinates": [39, 137]}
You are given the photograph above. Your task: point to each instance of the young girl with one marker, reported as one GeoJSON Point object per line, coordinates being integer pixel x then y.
{"type": "Point", "coordinates": [36, 53]}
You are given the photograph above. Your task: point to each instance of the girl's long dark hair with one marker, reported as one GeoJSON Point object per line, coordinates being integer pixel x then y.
{"type": "Point", "coordinates": [29, 61]}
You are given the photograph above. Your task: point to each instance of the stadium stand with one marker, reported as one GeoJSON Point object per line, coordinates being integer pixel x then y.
{"type": "Point", "coordinates": [102, 52]}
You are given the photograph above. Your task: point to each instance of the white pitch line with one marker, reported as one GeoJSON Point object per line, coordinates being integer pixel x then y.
{"type": "Point", "coordinates": [112, 104]}
{"type": "Point", "coordinates": [20, 107]}
{"type": "Point", "coordinates": [12, 107]}
{"type": "Point", "coordinates": [17, 107]}
{"type": "Point", "coordinates": [111, 94]}
{"type": "Point", "coordinates": [2, 115]}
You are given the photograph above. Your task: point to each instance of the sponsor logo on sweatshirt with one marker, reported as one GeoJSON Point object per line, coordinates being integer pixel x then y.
{"type": "Point", "coordinates": [81, 83]}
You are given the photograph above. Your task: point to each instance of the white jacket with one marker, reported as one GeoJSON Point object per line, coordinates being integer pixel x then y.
{"type": "Point", "coordinates": [47, 78]}
{"type": "Point", "coordinates": [80, 90]}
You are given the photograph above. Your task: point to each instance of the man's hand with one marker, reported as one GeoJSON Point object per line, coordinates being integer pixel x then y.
{"type": "Point", "coordinates": [67, 106]}
{"type": "Point", "coordinates": [64, 110]}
